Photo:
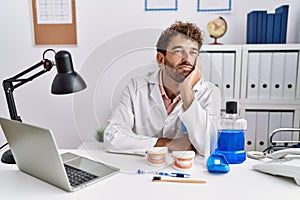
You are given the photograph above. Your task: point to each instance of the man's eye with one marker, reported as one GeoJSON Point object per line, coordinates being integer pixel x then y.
{"type": "Point", "coordinates": [194, 53]}
{"type": "Point", "coordinates": [178, 51]}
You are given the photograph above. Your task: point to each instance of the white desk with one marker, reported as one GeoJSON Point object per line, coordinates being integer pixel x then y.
{"type": "Point", "coordinates": [240, 183]}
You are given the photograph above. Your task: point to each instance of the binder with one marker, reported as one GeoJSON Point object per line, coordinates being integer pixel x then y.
{"type": "Point", "coordinates": [216, 69]}
{"type": "Point", "coordinates": [265, 75]}
{"type": "Point", "coordinates": [277, 28]}
{"type": "Point", "coordinates": [206, 65]}
{"type": "Point", "coordinates": [253, 71]}
{"type": "Point", "coordinates": [252, 27]}
{"type": "Point", "coordinates": [283, 10]}
{"type": "Point", "coordinates": [264, 27]}
{"type": "Point", "coordinates": [290, 75]}
{"type": "Point", "coordinates": [250, 132]}
{"type": "Point", "coordinates": [278, 61]}
{"type": "Point", "coordinates": [287, 119]}
{"type": "Point", "coordinates": [260, 23]}
{"type": "Point", "coordinates": [274, 123]}
{"type": "Point", "coordinates": [228, 75]}
{"type": "Point", "coordinates": [262, 130]}
{"type": "Point", "coordinates": [270, 28]}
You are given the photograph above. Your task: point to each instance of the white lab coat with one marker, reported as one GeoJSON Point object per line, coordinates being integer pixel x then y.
{"type": "Point", "coordinates": [140, 117]}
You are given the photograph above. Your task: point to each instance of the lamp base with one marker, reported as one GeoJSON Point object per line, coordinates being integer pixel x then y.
{"type": "Point", "coordinates": [8, 158]}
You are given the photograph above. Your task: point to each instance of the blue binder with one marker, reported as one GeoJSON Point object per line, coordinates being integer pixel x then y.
{"type": "Point", "coordinates": [264, 27]}
{"type": "Point", "coordinates": [284, 10]}
{"type": "Point", "coordinates": [261, 23]}
{"type": "Point", "coordinates": [258, 28]}
{"type": "Point", "coordinates": [277, 28]}
{"type": "Point", "coordinates": [252, 27]}
{"type": "Point", "coordinates": [270, 28]}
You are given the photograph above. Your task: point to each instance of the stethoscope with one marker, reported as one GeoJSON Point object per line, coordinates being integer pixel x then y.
{"type": "Point", "coordinates": [274, 145]}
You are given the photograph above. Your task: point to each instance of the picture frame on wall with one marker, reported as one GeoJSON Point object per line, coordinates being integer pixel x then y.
{"type": "Point", "coordinates": [54, 22]}
{"type": "Point", "coordinates": [214, 6]}
{"type": "Point", "coordinates": [161, 5]}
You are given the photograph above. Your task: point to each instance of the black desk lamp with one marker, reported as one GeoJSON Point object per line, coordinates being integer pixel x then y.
{"type": "Point", "coordinates": [66, 81]}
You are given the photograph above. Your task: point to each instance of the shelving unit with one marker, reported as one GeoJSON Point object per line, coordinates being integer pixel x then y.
{"type": "Point", "coordinates": [281, 102]}
{"type": "Point", "coordinates": [224, 74]}
{"type": "Point", "coordinates": [266, 82]}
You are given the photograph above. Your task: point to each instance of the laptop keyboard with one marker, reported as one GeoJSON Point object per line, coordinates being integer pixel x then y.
{"type": "Point", "coordinates": [77, 176]}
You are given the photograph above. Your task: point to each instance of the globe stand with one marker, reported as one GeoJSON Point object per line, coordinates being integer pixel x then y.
{"type": "Point", "coordinates": [216, 42]}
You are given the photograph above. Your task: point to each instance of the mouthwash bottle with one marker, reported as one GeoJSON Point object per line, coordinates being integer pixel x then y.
{"type": "Point", "coordinates": [231, 135]}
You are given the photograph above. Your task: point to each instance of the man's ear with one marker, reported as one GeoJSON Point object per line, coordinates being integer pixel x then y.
{"type": "Point", "coordinates": [160, 59]}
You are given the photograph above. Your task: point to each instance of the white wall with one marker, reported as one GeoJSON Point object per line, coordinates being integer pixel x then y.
{"type": "Point", "coordinates": [99, 23]}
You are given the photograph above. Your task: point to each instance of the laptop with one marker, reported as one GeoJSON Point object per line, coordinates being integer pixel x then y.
{"type": "Point", "coordinates": [36, 153]}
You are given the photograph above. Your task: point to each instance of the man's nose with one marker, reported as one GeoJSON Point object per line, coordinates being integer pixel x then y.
{"type": "Point", "coordinates": [185, 55]}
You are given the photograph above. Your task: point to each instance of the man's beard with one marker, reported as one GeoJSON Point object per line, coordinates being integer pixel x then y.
{"type": "Point", "coordinates": [172, 72]}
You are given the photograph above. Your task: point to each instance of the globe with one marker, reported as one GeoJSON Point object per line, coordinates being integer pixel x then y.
{"type": "Point", "coordinates": [217, 28]}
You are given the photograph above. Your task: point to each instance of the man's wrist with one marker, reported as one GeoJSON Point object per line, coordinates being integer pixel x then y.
{"type": "Point", "coordinates": [187, 98]}
{"type": "Point", "coordinates": [162, 142]}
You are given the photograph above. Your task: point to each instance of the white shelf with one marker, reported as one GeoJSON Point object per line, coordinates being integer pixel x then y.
{"type": "Point", "coordinates": [252, 104]}
{"type": "Point", "coordinates": [222, 48]}
{"type": "Point", "coordinates": [282, 105]}
{"type": "Point", "coordinates": [270, 47]}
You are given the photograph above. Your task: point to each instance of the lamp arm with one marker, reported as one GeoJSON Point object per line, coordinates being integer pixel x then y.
{"type": "Point", "coordinates": [9, 87]}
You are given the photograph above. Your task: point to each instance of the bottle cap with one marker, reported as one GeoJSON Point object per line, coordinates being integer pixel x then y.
{"type": "Point", "coordinates": [231, 107]}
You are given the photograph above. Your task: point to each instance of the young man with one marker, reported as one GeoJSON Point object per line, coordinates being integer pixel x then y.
{"type": "Point", "coordinates": [168, 107]}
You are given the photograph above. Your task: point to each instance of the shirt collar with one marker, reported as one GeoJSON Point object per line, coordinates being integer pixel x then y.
{"type": "Point", "coordinates": [162, 89]}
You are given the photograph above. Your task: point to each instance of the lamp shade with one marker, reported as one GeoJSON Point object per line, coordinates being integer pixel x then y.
{"type": "Point", "coordinates": [67, 80]}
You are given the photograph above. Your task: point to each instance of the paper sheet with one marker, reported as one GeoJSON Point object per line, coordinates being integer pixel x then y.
{"type": "Point", "coordinates": [54, 11]}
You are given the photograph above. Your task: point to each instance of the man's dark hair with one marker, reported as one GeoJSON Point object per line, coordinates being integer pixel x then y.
{"type": "Point", "coordinates": [188, 30]}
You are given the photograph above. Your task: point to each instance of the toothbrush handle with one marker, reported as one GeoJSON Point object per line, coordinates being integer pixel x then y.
{"type": "Point", "coordinates": [181, 181]}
